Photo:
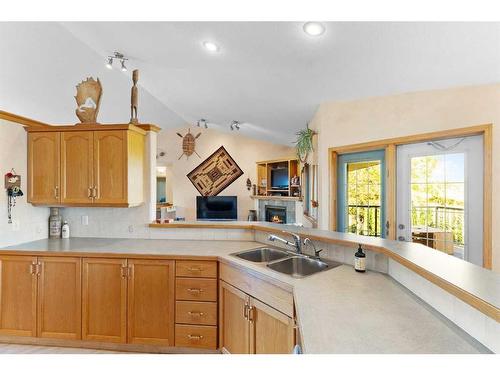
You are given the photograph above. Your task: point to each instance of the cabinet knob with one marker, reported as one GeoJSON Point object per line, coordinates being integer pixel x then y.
{"type": "Point", "coordinates": [195, 290]}
{"type": "Point", "coordinates": [195, 337]}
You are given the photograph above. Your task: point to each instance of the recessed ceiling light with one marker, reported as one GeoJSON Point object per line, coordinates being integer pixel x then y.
{"type": "Point", "coordinates": [313, 28]}
{"type": "Point", "coordinates": [210, 46]}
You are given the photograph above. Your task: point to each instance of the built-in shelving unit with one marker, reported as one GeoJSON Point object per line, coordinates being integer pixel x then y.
{"type": "Point", "coordinates": [265, 170]}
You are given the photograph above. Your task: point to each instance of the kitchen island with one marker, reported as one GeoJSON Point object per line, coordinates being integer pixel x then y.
{"type": "Point", "coordinates": [337, 311]}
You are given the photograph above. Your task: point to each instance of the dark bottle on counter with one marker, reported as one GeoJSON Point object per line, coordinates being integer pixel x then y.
{"type": "Point", "coordinates": [360, 260]}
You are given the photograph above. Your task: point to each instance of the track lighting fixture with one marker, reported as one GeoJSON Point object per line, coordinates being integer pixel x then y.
{"type": "Point", "coordinates": [202, 123]}
{"type": "Point", "coordinates": [235, 125]}
{"type": "Point", "coordinates": [117, 56]}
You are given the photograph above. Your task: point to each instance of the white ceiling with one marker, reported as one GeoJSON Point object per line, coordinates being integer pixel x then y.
{"type": "Point", "coordinates": [270, 76]}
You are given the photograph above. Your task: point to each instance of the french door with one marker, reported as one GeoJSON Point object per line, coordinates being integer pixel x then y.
{"type": "Point", "coordinates": [440, 196]}
{"type": "Point", "coordinates": [361, 192]}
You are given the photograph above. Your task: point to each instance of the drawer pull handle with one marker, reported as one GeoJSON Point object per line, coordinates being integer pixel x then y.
{"type": "Point", "coordinates": [195, 337]}
{"type": "Point", "coordinates": [199, 313]}
{"type": "Point", "coordinates": [195, 290]}
{"type": "Point", "coordinates": [194, 269]}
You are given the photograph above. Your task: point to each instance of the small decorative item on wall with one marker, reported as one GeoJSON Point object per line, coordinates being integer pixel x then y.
{"type": "Point", "coordinates": [88, 99]}
{"type": "Point", "coordinates": [13, 187]}
{"type": "Point", "coordinates": [189, 144]}
{"type": "Point", "coordinates": [215, 173]}
{"type": "Point", "coordinates": [134, 98]}
{"type": "Point", "coordinates": [249, 184]}
{"type": "Point", "coordinates": [304, 143]}
{"type": "Point", "coordinates": [254, 189]}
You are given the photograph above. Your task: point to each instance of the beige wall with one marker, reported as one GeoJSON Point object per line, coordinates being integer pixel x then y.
{"type": "Point", "coordinates": [245, 151]}
{"type": "Point", "coordinates": [345, 123]}
{"type": "Point", "coordinates": [29, 223]}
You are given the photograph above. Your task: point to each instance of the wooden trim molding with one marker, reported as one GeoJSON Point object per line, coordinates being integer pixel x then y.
{"type": "Point", "coordinates": [390, 145]}
{"type": "Point", "coordinates": [149, 127]}
{"type": "Point", "coordinates": [25, 121]}
{"type": "Point", "coordinates": [487, 197]}
{"type": "Point", "coordinates": [390, 182]}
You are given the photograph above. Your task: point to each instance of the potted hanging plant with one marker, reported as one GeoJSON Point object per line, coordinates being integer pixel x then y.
{"type": "Point", "coordinates": [304, 143]}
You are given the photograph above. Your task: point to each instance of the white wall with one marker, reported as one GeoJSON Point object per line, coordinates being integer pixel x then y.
{"type": "Point", "coordinates": [44, 64]}
{"type": "Point", "coordinates": [32, 221]}
{"type": "Point", "coordinates": [345, 123]}
{"type": "Point", "coordinates": [245, 151]}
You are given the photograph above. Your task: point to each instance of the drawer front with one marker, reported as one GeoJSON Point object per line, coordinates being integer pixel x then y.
{"type": "Point", "coordinates": [196, 268]}
{"type": "Point", "coordinates": [201, 313]}
{"type": "Point", "coordinates": [195, 336]}
{"type": "Point", "coordinates": [196, 289]}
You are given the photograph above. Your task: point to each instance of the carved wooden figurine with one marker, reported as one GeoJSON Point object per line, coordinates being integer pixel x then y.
{"type": "Point", "coordinates": [88, 99]}
{"type": "Point", "coordinates": [134, 98]}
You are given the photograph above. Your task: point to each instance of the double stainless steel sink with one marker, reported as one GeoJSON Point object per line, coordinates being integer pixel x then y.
{"type": "Point", "coordinates": [287, 262]}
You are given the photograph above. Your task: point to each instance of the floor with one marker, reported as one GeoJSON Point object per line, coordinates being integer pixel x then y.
{"type": "Point", "coordinates": [35, 349]}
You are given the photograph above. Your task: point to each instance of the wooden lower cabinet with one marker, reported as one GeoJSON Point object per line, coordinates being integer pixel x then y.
{"type": "Point", "coordinates": [104, 300]}
{"type": "Point", "coordinates": [116, 303]}
{"type": "Point", "coordinates": [59, 298]}
{"type": "Point", "coordinates": [18, 295]}
{"type": "Point", "coordinates": [249, 326]}
{"type": "Point", "coordinates": [151, 301]}
{"type": "Point", "coordinates": [272, 331]}
{"type": "Point", "coordinates": [234, 327]}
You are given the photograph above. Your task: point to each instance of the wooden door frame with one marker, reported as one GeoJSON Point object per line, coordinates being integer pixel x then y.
{"type": "Point", "coordinates": [389, 145]}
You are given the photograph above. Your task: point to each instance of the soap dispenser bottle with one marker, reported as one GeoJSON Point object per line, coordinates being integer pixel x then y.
{"type": "Point", "coordinates": [360, 260]}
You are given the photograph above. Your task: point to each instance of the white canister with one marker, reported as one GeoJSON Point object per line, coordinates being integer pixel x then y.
{"type": "Point", "coordinates": [65, 230]}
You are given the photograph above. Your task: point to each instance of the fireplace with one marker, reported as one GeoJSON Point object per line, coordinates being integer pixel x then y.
{"type": "Point", "coordinates": [276, 214]}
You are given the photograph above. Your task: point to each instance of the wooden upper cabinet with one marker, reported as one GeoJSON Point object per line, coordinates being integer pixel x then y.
{"type": "Point", "coordinates": [151, 301]}
{"type": "Point", "coordinates": [59, 297]}
{"type": "Point", "coordinates": [100, 165]}
{"type": "Point", "coordinates": [110, 166]}
{"type": "Point", "coordinates": [43, 167]}
{"type": "Point", "coordinates": [272, 332]}
{"type": "Point", "coordinates": [234, 326]}
{"type": "Point", "coordinates": [18, 295]}
{"type": "Point", "coordinates": [77, 167]}
{"type": "Point", "coordinates": [104, 300]}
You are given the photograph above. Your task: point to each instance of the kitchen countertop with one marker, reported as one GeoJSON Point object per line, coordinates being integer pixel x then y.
{"type": "Point", "coordinates": [338, 311]}
{"type": "Point", "coordinates": [474, 285]}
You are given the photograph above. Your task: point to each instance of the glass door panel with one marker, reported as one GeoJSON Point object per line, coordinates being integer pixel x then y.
{"type": "Point", "coordinates": [439, 191]}
{"type": "Point", "coordinates": [360, 208]}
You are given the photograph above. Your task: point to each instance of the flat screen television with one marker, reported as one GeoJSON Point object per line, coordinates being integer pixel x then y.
{"type": "Point", "coordinates": [279, 178]}
{"type": "Point", "coordinates": [217, 208]}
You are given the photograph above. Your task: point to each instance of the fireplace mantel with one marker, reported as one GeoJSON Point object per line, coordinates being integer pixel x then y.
{"type": "Point", "coordinates": [275, 198]}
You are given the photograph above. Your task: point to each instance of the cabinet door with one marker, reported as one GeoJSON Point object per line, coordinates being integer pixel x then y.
{"type": "Point", "coordinates": [59, 298]}
{"type": "Point", "coordinates": [234, 327]}
{"type": "Point", "coordinates": [43, 167]}
{"type": "Point", "coordinates": [104, 302]}
{"type": "Point", "coordinates": [151, 301]}
{"type": "Point", "coordinates": [110, 167]}
{"type": "Point", "coordinates": [76, 167]}
{"type": "Point", "coordinates": [18, 295]}
{"type": "Point", "coordinates": [272, 332]}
